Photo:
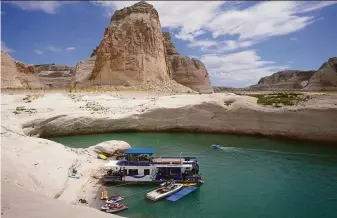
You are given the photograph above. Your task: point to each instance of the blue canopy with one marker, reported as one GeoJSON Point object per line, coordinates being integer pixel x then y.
{"type": "Point", "coordinates": [139, 151]}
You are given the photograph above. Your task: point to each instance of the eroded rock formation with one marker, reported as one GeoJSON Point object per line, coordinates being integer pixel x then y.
{"type": "Point", "coordinates": [325, 78]}
{"type": "Point", "coordinates": [15, 74]}
{"type": "Point", "coordinates": [284, 80]}
{"type": "Point", "coordinates": [55, 76]}
{"type": "Point", "coordinates": [131, 51]}
{"type": "Point", "coordinates": [83, 70]}
{"type": "Point", "coordinates": [9, 72]}
{"type": "Point", "coordinates": [134, 51]}
{"type": "Point", "coordinates": [186, 71]}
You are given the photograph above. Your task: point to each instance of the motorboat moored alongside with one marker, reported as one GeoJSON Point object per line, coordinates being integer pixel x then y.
{"type": "Point", "coordinates": [163, 191]}
{"type": "Point", "coordinates": [114, 199]}
{"type": "Point", "coordinates": [116, 207]}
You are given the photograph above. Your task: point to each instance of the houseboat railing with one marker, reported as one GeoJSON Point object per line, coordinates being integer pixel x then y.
{"type": "Point", "coordinates": [135, 163]}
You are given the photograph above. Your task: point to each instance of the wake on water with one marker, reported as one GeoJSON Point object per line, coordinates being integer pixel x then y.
{"type": "Point", "coordinates": [236, 149]}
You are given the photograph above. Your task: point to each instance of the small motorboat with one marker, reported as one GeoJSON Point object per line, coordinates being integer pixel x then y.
{"type": "Point", "coordinates": [114, 199]}
{"type": "Point", "coordinates": [116, 207]}
{"type": "Point", "coordinates": [216, 146]}
{"type": "Point", "coordinates": [105, 207]}
{"type": "Point", "coordinates": [164, 190]}
{"type": "Point", "coordinates": [108, 206]}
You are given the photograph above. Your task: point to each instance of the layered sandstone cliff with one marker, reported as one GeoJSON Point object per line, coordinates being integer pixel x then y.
{"type": "Point", "coordinates": [187, 71]}
{"type": "Point", "coordinates": [284, 80]}
{"type": "Point", "coordinates": [131, 51]}
{"type": "Point", "coordinates": [55, 76]}
{"type": "Point", "coordinates": [15, 74]}
{"type": "Point", "coordinates": [9, 72]}
{"type": "Point", "coordinates": [83, 70]}
{"type": "Point", "coordinates": [325, 78]}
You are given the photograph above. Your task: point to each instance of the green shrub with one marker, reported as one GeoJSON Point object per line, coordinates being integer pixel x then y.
{"type": "Point", "coordinates": [70, 88]}
{"type": "Point", "coordinates": [279, 99]}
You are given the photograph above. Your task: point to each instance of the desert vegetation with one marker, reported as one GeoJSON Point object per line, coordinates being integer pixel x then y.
{"type": "Point", "coordinates": [280, 99]}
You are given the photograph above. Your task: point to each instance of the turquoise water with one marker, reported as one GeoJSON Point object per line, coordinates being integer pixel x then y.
{"type": "Point", "coordinates": [252, 177]}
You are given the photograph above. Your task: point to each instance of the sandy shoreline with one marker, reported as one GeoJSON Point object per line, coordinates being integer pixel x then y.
{"type": "Point", "coordinates": [41, 166]}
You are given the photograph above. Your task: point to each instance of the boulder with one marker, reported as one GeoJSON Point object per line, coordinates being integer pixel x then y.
{"type": "Point", "coordinates": [111, 148]}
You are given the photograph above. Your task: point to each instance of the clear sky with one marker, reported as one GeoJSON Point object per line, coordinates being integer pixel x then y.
{"type": "Point", "coordinates": [238, 41]}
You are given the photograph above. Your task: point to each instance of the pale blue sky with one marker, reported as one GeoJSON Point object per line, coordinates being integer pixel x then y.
{"type": "Point", "coordinates": [238, 42]}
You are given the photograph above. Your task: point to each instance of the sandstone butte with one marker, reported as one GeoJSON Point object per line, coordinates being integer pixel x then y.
{"type": "Point", "coordinates": [133, 52]}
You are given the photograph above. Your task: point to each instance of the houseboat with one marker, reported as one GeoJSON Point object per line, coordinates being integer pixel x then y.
{"type": "Point", "coordinates": [141, 166]}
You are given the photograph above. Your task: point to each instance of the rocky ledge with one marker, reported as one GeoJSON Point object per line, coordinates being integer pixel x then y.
{"type": "Point", "coordinates": [225, 113]}
{"type": "Point", "coordinates": [55, 76]}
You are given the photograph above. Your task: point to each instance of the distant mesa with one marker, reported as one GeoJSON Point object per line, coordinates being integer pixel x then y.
{"type": "Point", "coordinates": [325, 78]}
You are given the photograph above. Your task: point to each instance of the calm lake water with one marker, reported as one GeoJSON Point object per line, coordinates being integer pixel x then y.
{"type": "Point", "coordinates": [252, 177]}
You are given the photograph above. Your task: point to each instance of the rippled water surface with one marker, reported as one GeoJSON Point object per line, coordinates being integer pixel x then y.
{"type": "Point", "coordinates": [251, 177]}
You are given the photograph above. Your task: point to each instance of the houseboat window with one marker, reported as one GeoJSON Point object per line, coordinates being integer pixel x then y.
{"type": "Point", "coordinates": [175, 171]}
{"type": "Point", "coordinates": [146, 172]}
{"type": "Point", "coordinates": [133, 172]}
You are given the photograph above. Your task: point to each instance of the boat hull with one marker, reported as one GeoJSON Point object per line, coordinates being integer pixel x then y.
{"type": "Point", "coordinates": [155, 195]}
{"type": "Point", "coordinates": [116, 210]}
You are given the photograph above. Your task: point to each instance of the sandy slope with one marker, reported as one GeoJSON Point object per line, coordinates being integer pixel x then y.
{"type": "Point", "coordinates": [18, 202]}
